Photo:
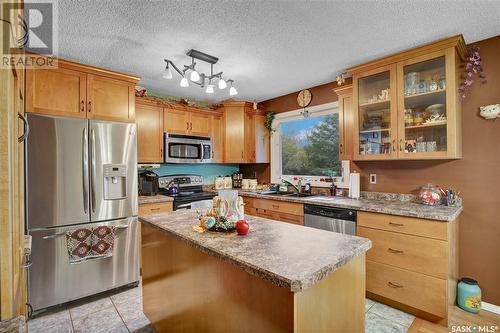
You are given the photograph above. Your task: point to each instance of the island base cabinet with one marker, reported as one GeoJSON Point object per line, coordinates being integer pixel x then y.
{"type": "Point", "coordinates": [187, 290]}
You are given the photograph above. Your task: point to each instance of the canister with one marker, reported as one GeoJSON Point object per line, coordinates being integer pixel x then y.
{"type": "Point", "coordinates": [228, 182]}
{"type": "Point", "coordinates": [469, 295]}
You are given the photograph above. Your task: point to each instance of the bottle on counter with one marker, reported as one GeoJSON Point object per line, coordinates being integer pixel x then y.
{"type": "Point", "coordinates": [219, 182]}
{"type": "Point", "coordinates": [228, 182]}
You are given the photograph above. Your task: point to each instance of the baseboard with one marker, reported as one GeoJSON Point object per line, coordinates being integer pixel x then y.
{"type": "Point", "coordinates": [490, 307]}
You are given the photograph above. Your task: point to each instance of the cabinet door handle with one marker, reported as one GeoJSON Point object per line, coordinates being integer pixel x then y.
{"type": "Point", "coordinates": [26, 128]}
{"type": "Point", "coordinates": [396, 224]}
{"type": "Point", "coordinates": [191, 126]}
{"type": "Point", "coordinates": [400, 144]}
{"type": "Point", "coordinates": [341, 148]}
{"type": "Point", "coordinates": [90, 106]}
{"type": "Point", "coordinates": [394, 285]}
{"type": "Point", "coordinates": [394, 251]}
{"type": "Point", "coordinates": [187, 125]}
{"type": "Point", "coordinates": [394, 145]}
{"type": "Point", "coordinates": [82, 106]}
{"type": "Point", "coordinates": [241, 154]}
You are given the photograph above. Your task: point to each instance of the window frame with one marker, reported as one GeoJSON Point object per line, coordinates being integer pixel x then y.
{"type": "Point", "coordinates": [276, 162]}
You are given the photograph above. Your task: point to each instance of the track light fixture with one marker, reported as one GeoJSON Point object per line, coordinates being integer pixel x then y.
{"type": "Point", "coordinates": [201, 79]}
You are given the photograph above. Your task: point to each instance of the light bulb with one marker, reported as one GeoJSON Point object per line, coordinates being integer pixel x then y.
{"type": "Point", "coordinates": [222, 84]}
{"type": "Point", "coordinates": [232, 91]}
{"type": "Point", "coordinates": [167, 74]}
{"type": "Point", "coordinates": [184, 82]}
{"type": "Point", "coordinates": [210, 89]}
{"type": "Point", "coordinates": [195, 77]}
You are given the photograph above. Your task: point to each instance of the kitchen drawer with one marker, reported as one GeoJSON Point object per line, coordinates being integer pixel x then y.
{"type": "Point", "coordinates": [290, 218]}
{"type": "Point", "coordinates": [265, 213]}
{"type": "Point", "coordinates": [418, 254]}
{"type": "Point", "coordinates": [420, 291]}
{"type": "Point", "coordinates": [279, 206]}
{"type": "Point", "coordinates": [154, 208]}
{"type": "Point", "coordinates": [406, 225]}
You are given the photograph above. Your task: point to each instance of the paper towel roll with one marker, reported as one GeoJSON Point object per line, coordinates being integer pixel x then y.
{"type": "Point", "coordinates": [354, 181]}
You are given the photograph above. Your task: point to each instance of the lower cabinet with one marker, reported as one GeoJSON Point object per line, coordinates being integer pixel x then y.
{"type": "Point", "coordinates": [275, 210]}
{"type": "Point", "coordinates": [155, 208]}
{"type": "Point", "coordinates": [413, 263]}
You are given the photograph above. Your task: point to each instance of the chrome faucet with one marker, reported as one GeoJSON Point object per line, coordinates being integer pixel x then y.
{"type": "Point", "coordinates": [297, 187]}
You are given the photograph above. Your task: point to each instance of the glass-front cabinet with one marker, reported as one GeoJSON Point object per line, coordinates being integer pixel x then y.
{"type": "Point", "coordinates": [375, 117]}
{"type": "Point", "coordinates": [408, 109]}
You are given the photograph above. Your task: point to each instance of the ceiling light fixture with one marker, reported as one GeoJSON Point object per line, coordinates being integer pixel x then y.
{"type": "Point", "coordinates": [201, 79]}
{"type": "Point", "coordinates": [184, 83]}
{"type": "Point", "coordinates": [232, 90]}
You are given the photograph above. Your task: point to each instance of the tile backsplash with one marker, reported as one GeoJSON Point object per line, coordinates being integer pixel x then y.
{"type": "Point", "coordinates": [208, 171]}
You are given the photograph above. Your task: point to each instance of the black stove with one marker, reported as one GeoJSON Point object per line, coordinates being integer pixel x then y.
{"type": "Point", "coordinates": [189, 189]}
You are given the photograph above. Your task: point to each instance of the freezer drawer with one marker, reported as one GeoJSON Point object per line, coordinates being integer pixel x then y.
{"type": "Point", "coordinates": [53, 280]}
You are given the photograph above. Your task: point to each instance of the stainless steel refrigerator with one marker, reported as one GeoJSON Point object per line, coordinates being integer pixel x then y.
{"type": "Point", "coordinates": [80, 174]}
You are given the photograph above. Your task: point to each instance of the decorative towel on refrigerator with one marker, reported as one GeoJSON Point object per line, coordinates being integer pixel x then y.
{"type": "Point", "coordinates": [90, 243]}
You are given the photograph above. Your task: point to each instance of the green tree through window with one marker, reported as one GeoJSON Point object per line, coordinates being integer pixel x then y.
{"type": "Point", "coordinates": [310, 146]}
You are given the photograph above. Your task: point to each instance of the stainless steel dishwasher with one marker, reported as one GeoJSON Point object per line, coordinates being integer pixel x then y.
{"type": "Point", "coordinates": [330, 219]}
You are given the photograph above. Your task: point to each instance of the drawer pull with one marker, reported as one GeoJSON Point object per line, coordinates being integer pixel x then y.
{"type": "Point", "coordinates": [155, 209]}
{"type": "Point", "coordinates": [394, 251]}
{"type": "Point", "coordinates": [394, 285]}
{"type": "Point", "coordinates": [396, 224]}
{"type": "Point", "coordinates": [276, 206]}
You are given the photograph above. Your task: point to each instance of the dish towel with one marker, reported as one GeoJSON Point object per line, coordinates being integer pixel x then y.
{"type": "Point", "coordinates": [90, 243]}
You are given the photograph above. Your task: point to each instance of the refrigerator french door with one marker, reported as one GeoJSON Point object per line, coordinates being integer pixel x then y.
{"type": "Point", "coordinates": [80, 174]}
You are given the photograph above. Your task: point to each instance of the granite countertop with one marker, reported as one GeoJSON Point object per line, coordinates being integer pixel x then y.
{"type": "Point", "coordinates": [285, 254]}
{"type": "Point", "coordinates": [144, 199]}
{"type": "Point", "coordinates": [14, 325]}
{"type": "Point", "coordinates": [385, 206]}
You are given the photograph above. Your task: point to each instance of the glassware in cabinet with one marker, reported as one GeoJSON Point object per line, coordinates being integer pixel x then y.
{"type": "Point", "coordinates": [375, 120]}
{"type": "Point", "coordinates": [422, 107]}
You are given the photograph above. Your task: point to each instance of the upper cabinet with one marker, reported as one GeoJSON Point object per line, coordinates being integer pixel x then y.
{"type": "Point", "coordinates": [406, 106]}
{"type": "Point", "coordinates": [217, 134]}
{"type": "Point", "coordinates": [346, 121]}
{"type": "Point", "coordinates": [110, 99]}
{"type": "Point", "coordinates": [74, 90]}
{"type": "Point", "coordinates": [246, 140]}
{"type": "Point", "coordinates": [184, 121]}
{"type": "Point", "coordinates": [149, 120]}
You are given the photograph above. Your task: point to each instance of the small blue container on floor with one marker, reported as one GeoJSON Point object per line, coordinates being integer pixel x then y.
{"type": "Point", "coordinates": [469, 295]}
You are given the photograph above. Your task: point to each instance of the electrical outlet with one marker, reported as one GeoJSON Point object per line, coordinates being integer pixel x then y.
{"type": "Point", "coordinates": [373, 178]}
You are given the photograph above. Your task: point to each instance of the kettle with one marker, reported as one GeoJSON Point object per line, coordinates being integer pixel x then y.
{"type": "Point", "coordinates": [173, 190]}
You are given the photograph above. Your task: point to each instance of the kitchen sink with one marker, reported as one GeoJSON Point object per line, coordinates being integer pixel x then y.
{"type": "Point", "coordinates": [287, 194]}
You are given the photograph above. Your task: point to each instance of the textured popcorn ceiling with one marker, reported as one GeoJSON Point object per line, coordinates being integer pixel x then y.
{"type": "Point", "coordinates": [270, 48]}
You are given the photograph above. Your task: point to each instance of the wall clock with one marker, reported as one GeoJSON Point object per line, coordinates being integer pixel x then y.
{"type": "Point", "coordinates": [304, 98]}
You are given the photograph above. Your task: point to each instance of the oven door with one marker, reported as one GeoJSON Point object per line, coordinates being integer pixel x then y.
{"type": "Point", "coordinates": [187, 149]}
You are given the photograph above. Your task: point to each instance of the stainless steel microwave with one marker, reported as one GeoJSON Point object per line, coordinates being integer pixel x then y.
{"type": "Point", "coordinates": [187, 149]}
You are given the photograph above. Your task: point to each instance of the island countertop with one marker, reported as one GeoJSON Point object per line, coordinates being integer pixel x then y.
{"type": "Point", "coordinates": [290, 256]}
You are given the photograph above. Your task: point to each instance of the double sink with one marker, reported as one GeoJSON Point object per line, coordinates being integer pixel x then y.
{"type": "Point", "coordinates": [287, 194]}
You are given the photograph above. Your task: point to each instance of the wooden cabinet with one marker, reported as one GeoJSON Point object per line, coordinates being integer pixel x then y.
{"type": "Point", "coordinates": [406, 105]}
{"type": "Point", "coordinates": [413, 263]}
{"type": "Point", "coordinates": [70, 89]}
{"type": "Point", "coordinates": [176, 121]}
{"type": "Point", "coordinates": [246, 138]}
{"type": "Point", "coordinates": [217, 134]}
{"type": "Point", "coordinates": [275, 210]}
{"type": "Point", "coordinates": [179, 121]}
{"type": "Point", "coordinates": [155, 208]}
{"type": "Point", "coordinates": [149, 120]}
{"type": "Point", "coordinates": [346, 122]}
{"type": "Point", "coordinates": [110, 99]}
{"type": "Point", "coordinates": [199, 123]}
{"type": "Point", "coordinates": [57, 91]}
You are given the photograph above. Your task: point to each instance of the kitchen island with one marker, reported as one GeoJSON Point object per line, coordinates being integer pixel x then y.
{"type": "Point", "coordinates": [278, 278]}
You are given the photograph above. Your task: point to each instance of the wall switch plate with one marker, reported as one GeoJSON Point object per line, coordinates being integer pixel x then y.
{"type": "Point", "coordinates": [373, 178]}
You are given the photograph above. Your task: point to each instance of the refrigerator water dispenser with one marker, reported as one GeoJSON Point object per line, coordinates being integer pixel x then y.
{"type": "Point", "coordinates": [115, 181]}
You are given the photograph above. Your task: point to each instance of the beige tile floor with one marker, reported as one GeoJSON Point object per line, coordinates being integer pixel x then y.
{"type": "Point", "coordinates": [122, 312]}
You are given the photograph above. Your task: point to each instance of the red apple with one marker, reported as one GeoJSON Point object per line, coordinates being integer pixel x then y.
{"type": "Point", "coordinates": [242, 227]}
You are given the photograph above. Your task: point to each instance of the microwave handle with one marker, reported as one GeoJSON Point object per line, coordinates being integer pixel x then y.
{"type": "Point", "coordinates": [202, 151]}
